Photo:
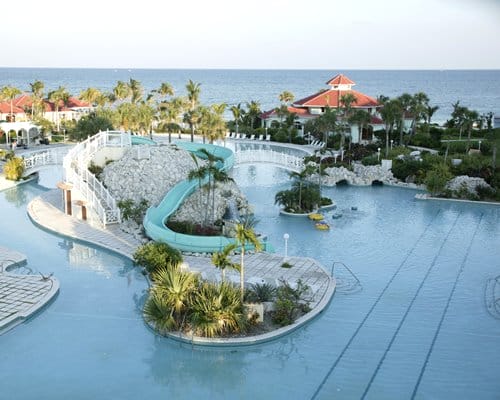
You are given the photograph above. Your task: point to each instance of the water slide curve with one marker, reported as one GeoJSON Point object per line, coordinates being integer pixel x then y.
{"type": "Point", "coordinates": [154, 220]}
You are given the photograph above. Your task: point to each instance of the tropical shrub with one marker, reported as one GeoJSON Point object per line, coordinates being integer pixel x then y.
{"type": "Point", "coordinates": [170, 298]}
{"type": "Point", "coordinates": [217, 310]}
{"type": "Point", "coordinates": [260, 292]}
{"type": "Point", "coordinates": [95, 169]}
{"type": "Point", "coordinates": [14, 168]}
{"type": "Point", "coordinates": [437, 178]}
{"type": "Point", "coordinates": [89, 125]}
{"type": "Point", "coordinates": [133, 211]}
{"type": "Point", "coordinates": [290, 303]}
{"type": "Point", "coordinates": [155, 255]}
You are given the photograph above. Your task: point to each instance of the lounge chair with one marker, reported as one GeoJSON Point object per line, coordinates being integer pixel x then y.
{"type": "Point", "coordinates": [232, 135]}
{"type": "Point", "coordinates": [243, 135]}
{"type": "Point", "coordinates": [252, 137]}
{"type": "Point", "coordinates": [313, 143]}
{"type": "Point", "coordinates": [268, 138]}
{"type": "Point", "coordinates": [261, 137]}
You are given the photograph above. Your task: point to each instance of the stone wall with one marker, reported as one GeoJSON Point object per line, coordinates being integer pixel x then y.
{"type": "Point", "coordinates": [360, 175]}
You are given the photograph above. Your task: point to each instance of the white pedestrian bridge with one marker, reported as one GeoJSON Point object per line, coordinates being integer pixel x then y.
{"type": "Point", "coordinates": [99, 201]}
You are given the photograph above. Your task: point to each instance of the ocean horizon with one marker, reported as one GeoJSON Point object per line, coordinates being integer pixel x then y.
{"type": "Point", "coordinates": [478, 89]}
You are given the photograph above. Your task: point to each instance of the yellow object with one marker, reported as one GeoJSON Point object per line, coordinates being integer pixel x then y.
{"type": "Point", "coordinates": [316, 217]}
{"type": "Point", "coordinates": [322, 226]}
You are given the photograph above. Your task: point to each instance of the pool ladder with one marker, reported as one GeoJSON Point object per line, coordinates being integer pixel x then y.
{"type": "Point", "coordinates": [347, 281]}
{"type": "Point", "coordinates": [492, 296]}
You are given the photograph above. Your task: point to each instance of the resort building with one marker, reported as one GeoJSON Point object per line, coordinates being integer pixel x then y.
{"type": "Point", "coordinates": [22, 133]}
{"type": "Point", "coordinates": [314, 105]}
{"type": "Point", "coordinates": [72, 109]}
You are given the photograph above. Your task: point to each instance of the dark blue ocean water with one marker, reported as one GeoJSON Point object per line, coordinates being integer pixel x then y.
{"type": "Point", "coordinates": [477, 89]}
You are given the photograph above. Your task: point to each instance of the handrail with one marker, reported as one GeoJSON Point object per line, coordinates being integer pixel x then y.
{"type": "Point", "coordinates": [75, 166]}
{"type": "Point", "coordinates": [287, 161]}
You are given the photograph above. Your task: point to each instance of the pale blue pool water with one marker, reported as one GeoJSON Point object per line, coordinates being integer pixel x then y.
{"type": "Point", "coordinates": [419, 326]}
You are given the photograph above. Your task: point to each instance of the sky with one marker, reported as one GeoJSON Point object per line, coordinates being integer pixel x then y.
{"type": "Point", "coordinates": [256, 34]}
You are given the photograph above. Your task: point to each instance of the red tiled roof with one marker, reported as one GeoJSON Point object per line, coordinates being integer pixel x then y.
{"type": "Point", "coordinates": [331, 98]}
{"type": "Point", "coordinates": [302, 112]}
{"type": "Point", "coordinates": [340, 79]}
{"type": "Point", "coordinates": [5, 108]}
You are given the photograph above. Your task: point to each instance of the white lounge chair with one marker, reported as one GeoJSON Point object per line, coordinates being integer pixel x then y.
{"type": "Point", "coordinates": [232, 135]}
{"type": "Point", "coordinates": [313, 143]}
{"type": "Point", "coordinates": [268, 138]}
{"type": "Point", "coordinates": [261, 137]}
{"type": "Point", "coordinates": [252, 137]}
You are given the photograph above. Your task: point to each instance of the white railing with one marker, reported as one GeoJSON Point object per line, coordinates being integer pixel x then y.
{"type": "Point", "coordinates": [36, 159]}
{"type": "Point", "coordinates": [284, 160]}
{"type": "Point", "coordinates": [75, 165]}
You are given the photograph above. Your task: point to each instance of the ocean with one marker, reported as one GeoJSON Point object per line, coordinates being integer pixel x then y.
{"type": "Point", "coordinates": [476, 89]}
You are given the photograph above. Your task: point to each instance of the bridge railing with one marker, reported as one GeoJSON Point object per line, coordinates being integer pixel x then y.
{"type": "Point", "coordinates": [75, 165]}
{"type": "Point", "coordinates": [270, 156]}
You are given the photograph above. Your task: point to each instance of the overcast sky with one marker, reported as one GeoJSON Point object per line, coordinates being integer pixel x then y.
{"type": "Point", "coordinates": [317, 34]}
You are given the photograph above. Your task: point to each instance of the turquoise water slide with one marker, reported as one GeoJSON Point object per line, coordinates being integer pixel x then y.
{"type": "Point", "coordinates": [142, 140]}
{"type": "Point", "coordinates": [154, 220]}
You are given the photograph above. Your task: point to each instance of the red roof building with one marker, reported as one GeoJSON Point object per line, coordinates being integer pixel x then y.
{"type": "Point", "coordinates": [314, 105]}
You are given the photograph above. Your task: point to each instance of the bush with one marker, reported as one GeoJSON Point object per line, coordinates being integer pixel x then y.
{"type": "Point", "coordinates": [190, 228]}
{"type": "Point", "coordinates": [260, 292]}
{"type": "Point", "coordinates": [14, 168]}
{"type": "Point", "coordinates": [154, 256]}
{"type": "Point", "coordinates": [437, 178]}
{"type": "Point", "coordinates": [424, 140]}
{"type": "Point", "coordinates": [89, 125]}
{"type": "Point", "coordinates": [290, 303]}
{"type": "Point", "coordinates": [95, 169]}
{"type": "Point", "coordinates": [133, 211]}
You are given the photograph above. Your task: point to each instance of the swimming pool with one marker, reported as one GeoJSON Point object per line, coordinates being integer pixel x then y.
{"type": "Point", "coordinates": [418, 327]}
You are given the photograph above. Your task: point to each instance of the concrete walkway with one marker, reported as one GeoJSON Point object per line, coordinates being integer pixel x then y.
{"type": "Point", "coordinates": [21, 295]}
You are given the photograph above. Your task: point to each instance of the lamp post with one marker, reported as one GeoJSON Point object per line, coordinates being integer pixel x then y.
{"type": "Point", "coordinates": [479, 146]}
{"type": "Point", "coordinates": [286, 236]}
{"type": "Point", "coordinates": [378, 154]}
{"type": "Point", "coordinates": [392, 141]}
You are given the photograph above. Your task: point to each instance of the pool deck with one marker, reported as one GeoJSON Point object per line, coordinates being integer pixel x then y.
{"type": "Point", "coordinates": [46, 211]}
{"type": "Point", "coordinates": [21, 295]}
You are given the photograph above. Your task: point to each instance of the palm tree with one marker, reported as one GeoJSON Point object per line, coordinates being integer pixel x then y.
{"type": "Point", "coordinates": [237, 112]}
{"type": "Point", "coordinates": [285, 198]}
{"type": "Point", "coordinates": [253, 112]}
{"type": "Point", "coordinates": [169, 297]}
{"type": "Point", "coordinates": [471, 117]}
{"type": "Point", "coordinates": [429, 112]}
{"type": "Point", "coordinates": [286, 97]}
{"type": "Point", "coordinates": [222, 260]}
{"type": "Point", "coordinates": [121, 91]}
{"type": "Point", "coordinates": [405, 102]}
{"type": "Point", "coordinates": [326, 123]}
{"type": "Point", "coordinates": [300, 178]}
{"type": "Point", "coordinates": [245, 235]}
{"type": "Point", "coordinates": [198, 173]}
{"type": "Point", "coordinates": [193, 95]}
{"type": "Point", "coordinates": [37, 97]}
{"type": "Point", "coordinates": [361, 118]}
{"type": "Point", "coordinates": [347, 100]}
{"type": "Point", "coordinates": [417, 108]}
{"type": "Point", "coordinates": [390, 113]}
{"type": "Point", "coordinates": [60, 95]}
{"type": "Point", "coordinates": [211, 170]}
{"type": "Point", "coordinates": [90, 95]}
{"type": "Point", "coordinates": [136, 90]}
{"type": "Point", "coordinates": [10, 93]}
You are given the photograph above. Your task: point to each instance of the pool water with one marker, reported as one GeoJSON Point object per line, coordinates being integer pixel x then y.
{"type": "Point", "coordinates": [418, 325]}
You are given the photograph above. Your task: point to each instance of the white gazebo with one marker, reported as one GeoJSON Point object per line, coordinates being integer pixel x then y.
{"type": "Point", "coordinates": [26, 132]}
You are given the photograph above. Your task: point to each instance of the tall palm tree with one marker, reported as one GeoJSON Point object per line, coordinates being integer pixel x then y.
{"type": "Point", "coordinates": [90, 95]}
{"type": "Point", "coordinates": [361, 118]}
{"type": "Point", "coordinates": [193, 96]}
{"type": "Point", "coordinates": [245, 235]}
{"type": "Point", "coordinates": [10, 93]}
{"type": "Point", "coordinates": [417, 108]}
{"type": "Point", "coordinates": [286, 97]}
{"type": "Point", "coordinates": [253, 112]}
{"type": "Point", "coordinates": [347, 100]}
{"type": "Point", "coordinates": [59, 97]}
{"type": "Point", "coordinates": [405, 102]}
{"type": "Point", "coordinates": [300, 178]}
{"type": "Point", "coordinates": [238, 113]}
{"type": "Point", "coordinates": [471, 117]}
{"type": "Point", "coordinates": [121, 91]}
{"type": "Point", "coordinates": [429, 112]}
{"type": "Point", "coordinates": [37, 97]}
{"type": "Point", "coordinates": [136, 90]}
{"type": "Point", "coordinates": [326, 123]}
{"type": "Point", "coordinates": [222, 260]}
{"type": "Point", "coordinates": [390, 113]}
{"type": "Point", "coordinates": [198, 173]}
